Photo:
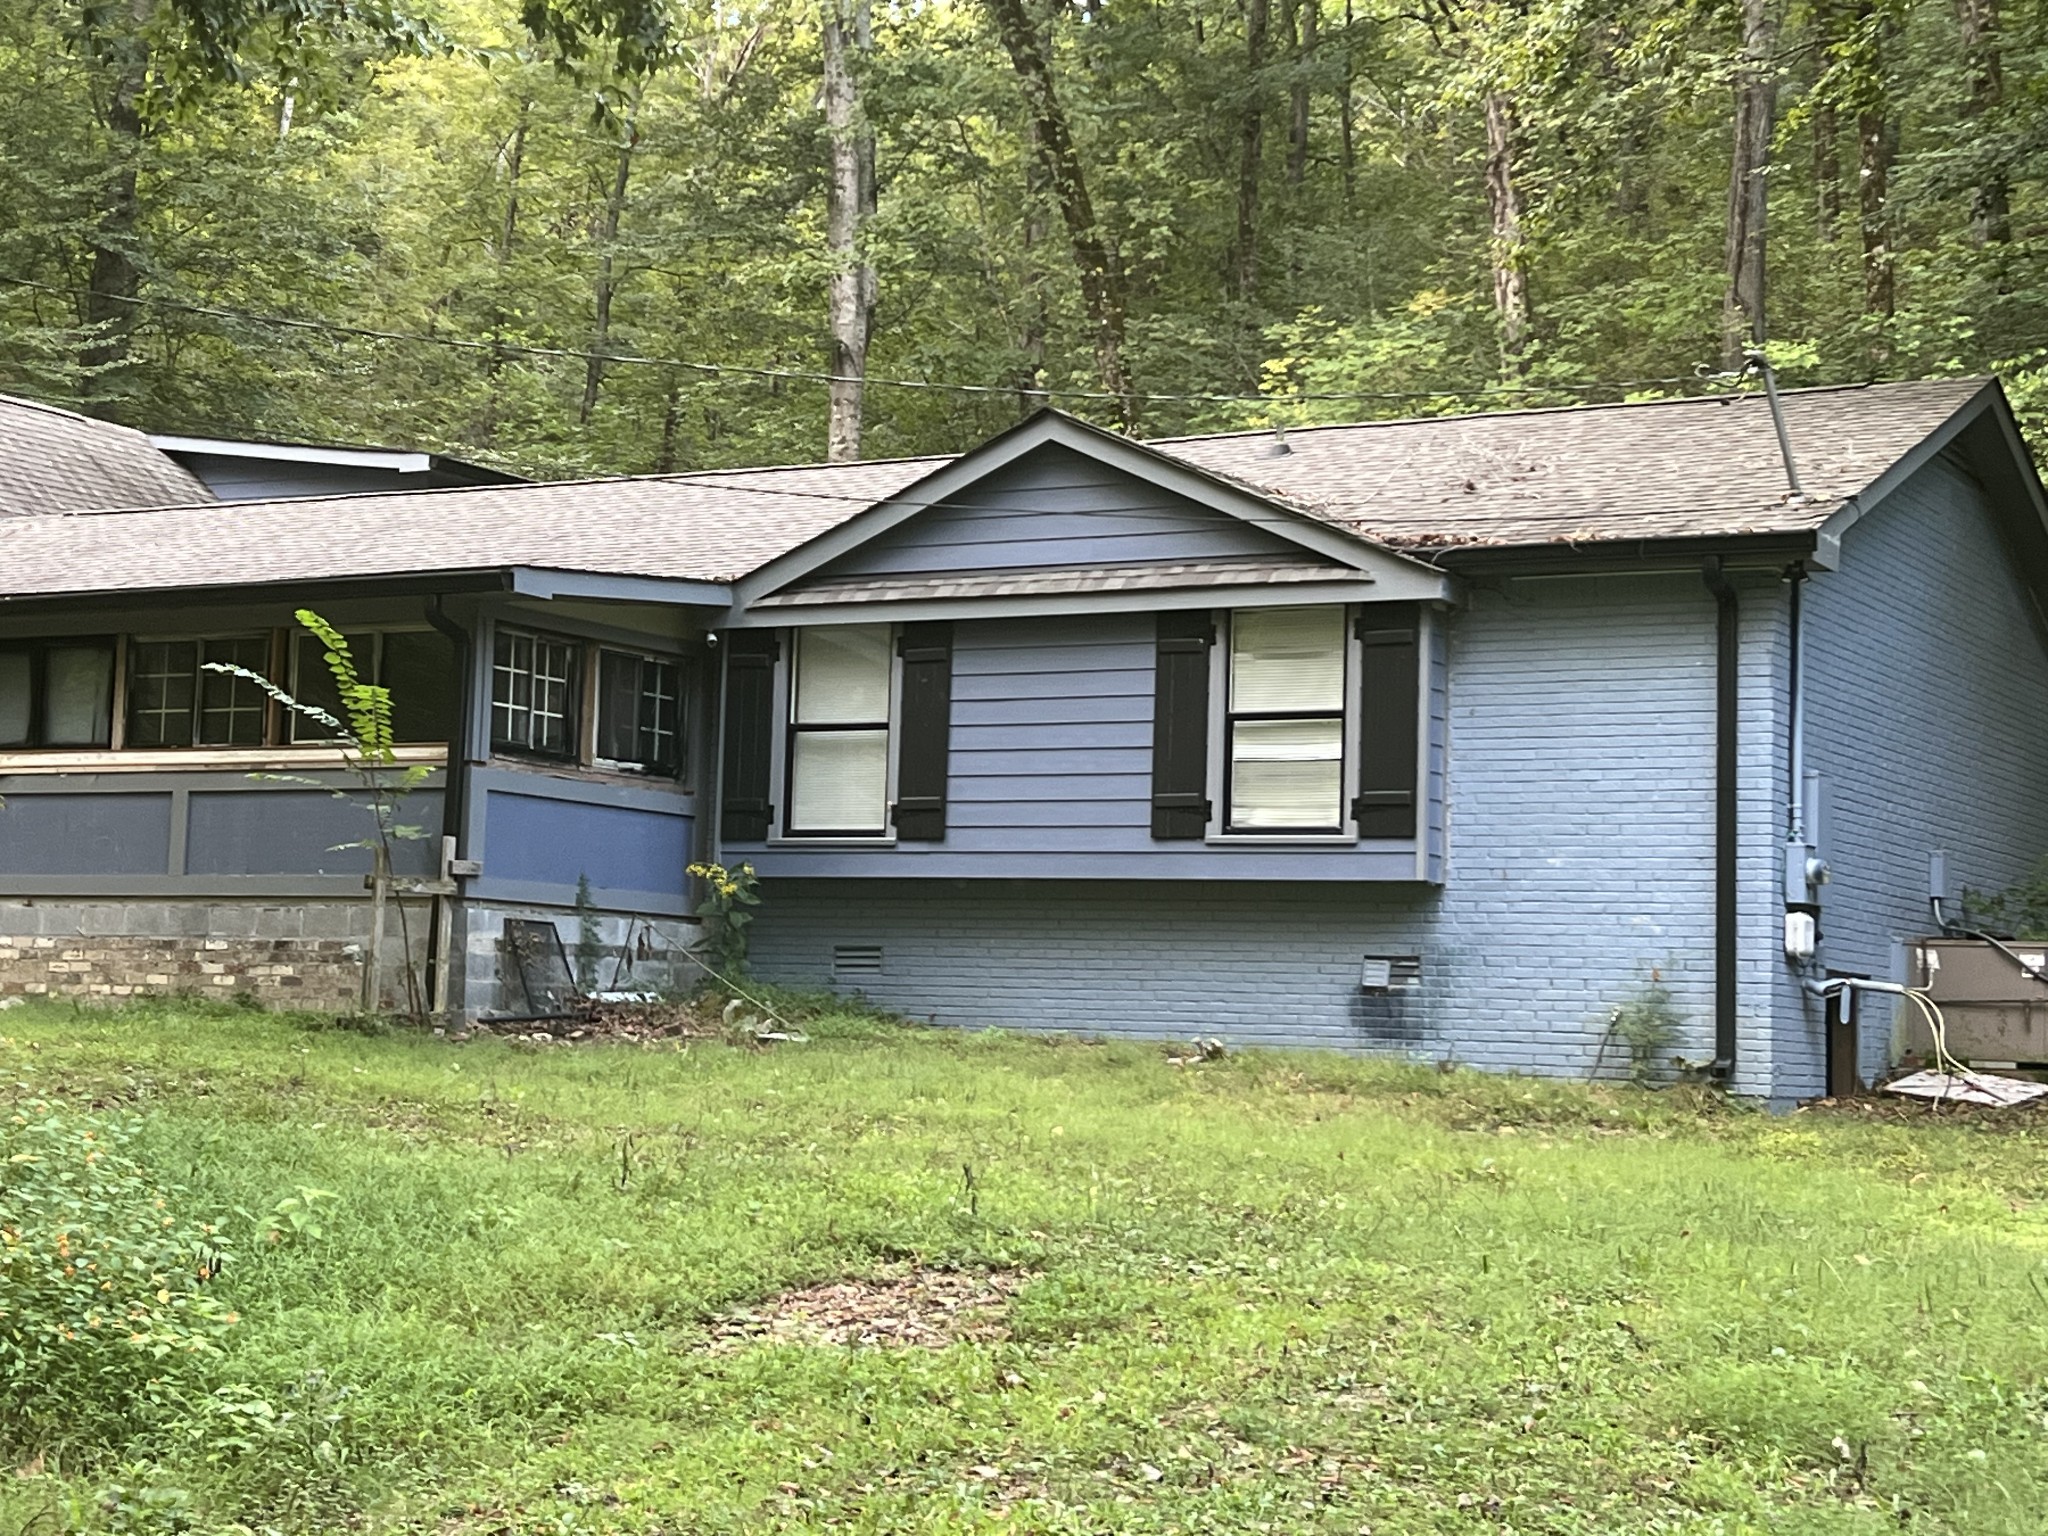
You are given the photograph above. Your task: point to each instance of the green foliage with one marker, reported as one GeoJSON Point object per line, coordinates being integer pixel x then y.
{"type": "Point", "coordinates": [2020, 911]}
{"type": "Point", "coordinates": [1648, 1024]}
{"type": "Point", "coordinates": [729, 896]}
{"type": "Point", "coordinates": [107, 1294]}
{"type": "Point", "coordinates": [1309, 1291]}
{"type": "Point", "coordinates": [461, 186]}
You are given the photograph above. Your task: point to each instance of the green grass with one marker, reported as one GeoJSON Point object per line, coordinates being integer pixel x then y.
{"type": "Point", "coordinates": [1270, 1293]}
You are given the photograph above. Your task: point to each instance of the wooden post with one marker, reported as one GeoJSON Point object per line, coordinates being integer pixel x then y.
{"type": "Point", "coordinates": [444, 929]}
{"type": "Point", "coordinates": [373, 954]}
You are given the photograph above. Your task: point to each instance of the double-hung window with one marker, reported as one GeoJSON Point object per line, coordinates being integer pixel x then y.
{"type": "Point", "coordinates": [1284, 721]}
{"type": "Point", "coordinates": [639, 712]}
{"type": "Point", "coordinates": [57, 693]}
{"type": "Point", "coordinates": [176, 700]}
{"type": "Point", "coordinates": [417, 665]}
{"type": "Point", "coordinates": [838, 765]}
{"type": "Point", "coordinates": [534, 694]}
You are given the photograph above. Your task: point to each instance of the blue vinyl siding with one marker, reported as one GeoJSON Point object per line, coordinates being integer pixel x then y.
{"type": "Point", "coordinates": [1058, 508]}
{"type": "Point", "coordinates": [1927, 690]}
{"type": "Point", "coordinates": [1578, 719]}
{"type": "Point", "coordinates": [537, 834]}
{"type": "Point", "coordinates": [1050, 773]}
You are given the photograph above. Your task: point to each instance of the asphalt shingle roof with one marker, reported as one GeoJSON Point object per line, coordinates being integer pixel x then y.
{"type": "Point", "coordinates": [1667, 469]}
{"type": "Point", "coordinates": [53, 460]}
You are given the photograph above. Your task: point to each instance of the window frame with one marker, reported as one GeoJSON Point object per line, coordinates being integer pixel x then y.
{"type": "Point", "coordinates": [782, 781]}
{"type": "Point", "coordinates": [296, 641]}
{"type": "Point", "coordinates": [39, 686]}
{"type": "Point", "coordinates": [676, 767]}
{"type": "Point", "coordinates": [574, 681]}
{"type": "Point", "coordinates": [197, 711]}
{"type": "Point", "coordinates": [1222, 722]}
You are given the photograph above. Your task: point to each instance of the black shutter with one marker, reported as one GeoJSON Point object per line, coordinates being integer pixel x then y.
{"type": "Point", "coordinates": [922, 731]}
{"type": "Point", "coordinates": [1180, 726]}
{"type": "Point", "coordinates": [1387, 720]}
{"type": "Point", "coordinates": [749, 736]}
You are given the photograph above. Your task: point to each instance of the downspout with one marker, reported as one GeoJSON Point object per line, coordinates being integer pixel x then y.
{"type": "Point", "coordinates": [455, 786]}
{"type": "Point", "coordinates": [1727, 657]}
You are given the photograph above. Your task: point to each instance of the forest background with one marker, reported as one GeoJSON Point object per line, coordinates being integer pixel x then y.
{"type": "Point", "coordinates": [1167, 215]}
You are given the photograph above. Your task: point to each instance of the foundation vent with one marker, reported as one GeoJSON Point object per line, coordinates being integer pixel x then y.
{"type": "Point", "coordinates": [1390, 973]}
{"type": "Point", "coordinates": [856, 962]}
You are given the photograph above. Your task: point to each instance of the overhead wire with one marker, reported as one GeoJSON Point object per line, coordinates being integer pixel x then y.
{"type": "Point", "coordinates": [813, 376]}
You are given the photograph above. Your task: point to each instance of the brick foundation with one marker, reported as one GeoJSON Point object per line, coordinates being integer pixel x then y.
{"type": "Point", "coordinates": [284, 973]}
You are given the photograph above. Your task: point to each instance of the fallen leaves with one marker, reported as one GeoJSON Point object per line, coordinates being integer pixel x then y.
{"type": "Point", "coordinates": [913, 1307]}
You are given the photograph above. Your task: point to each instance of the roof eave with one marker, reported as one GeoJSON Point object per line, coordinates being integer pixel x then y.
{"type": "Point", "coordinates": [1635, 556]}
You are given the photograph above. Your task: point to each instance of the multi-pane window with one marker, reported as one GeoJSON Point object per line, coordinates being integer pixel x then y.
{"type": "Point", "coordinates": [175, 700]}
{"type": "Point", "coordinates": [639, 711]}
{"type": "Point", "coordinates": [839, 731]}
{"type": "Point", "coordinates": [57, 693]}
{"type": "Point", "coordinates": [533, 693]}
{"type": "Point", "coordinates": [1284, 744]}
{"type": "Point", "coordinates": [418, 666]}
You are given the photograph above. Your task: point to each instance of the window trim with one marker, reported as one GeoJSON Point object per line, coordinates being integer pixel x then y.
{"type": "Point", "coordinates": [38, 689]}
{"type": "Point", "coordinates": [266, 636]}
{"type": "Point", "coordinates": [780, 831]}
{"type": "Point", "coordinates": [593, 734]}
{"type": "Point", "coordinates": [1222, 720]}
{"type": "Point", "coordinates": [573, 713]}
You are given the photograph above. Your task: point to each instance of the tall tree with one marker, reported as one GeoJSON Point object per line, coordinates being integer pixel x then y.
{"type": "Point", "coordinates": [1101, 274]}
{"type": "Point", "coordinates": [1251, 139]}
{"type": "Point", "coordinates": [1983, 58]}
{"type": "Point", "coordinates": [849, 202]}
{"type": "Point", "coordinates": [607, 270]}
{"type": "Point", "coordinates": [1824, 120]}
{"type": "Point", "coordinates": [1875, 27]}
{"type": "Point", "coordinates": [1509, 245]}
{"type": "Point", "coordinates": [1743, 314]}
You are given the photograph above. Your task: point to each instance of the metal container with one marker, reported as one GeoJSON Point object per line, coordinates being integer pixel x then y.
{"type": "Point", "coordinates": [1993, 1008]}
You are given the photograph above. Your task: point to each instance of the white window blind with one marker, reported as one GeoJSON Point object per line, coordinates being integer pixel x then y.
{"type": "Point", "coordinates": [839, 731]}
{"type": "Point", "coordinates": [1286, 720]}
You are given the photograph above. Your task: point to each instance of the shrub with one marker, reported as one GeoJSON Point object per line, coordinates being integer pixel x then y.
{"type": "Point", "coordinates": [105, 1294]}
{"type": "Point", "coordinates": [1647, 1024]}
{"type": "Point", "coordinates": [728, 893]}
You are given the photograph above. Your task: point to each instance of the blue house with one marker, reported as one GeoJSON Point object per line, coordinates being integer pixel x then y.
{"type": "Point", "coordinates": [1442, 737]}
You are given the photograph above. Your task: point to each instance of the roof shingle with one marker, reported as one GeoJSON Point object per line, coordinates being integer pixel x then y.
{"type": "Point", "coordinates": [59, 461]}
{"type": "Point", "coordinates": [1658, 470]}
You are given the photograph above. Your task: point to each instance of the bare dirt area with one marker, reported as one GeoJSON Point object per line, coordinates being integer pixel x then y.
{"type": "Point", "coordinates": [914, 1308]}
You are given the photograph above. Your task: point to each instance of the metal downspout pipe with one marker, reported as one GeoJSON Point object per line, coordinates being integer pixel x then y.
{"type": "Point", "coordinates": [1727, 659]}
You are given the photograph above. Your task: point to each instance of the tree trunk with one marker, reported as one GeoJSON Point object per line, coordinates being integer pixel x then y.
{"type": "Point", "coordinates": [850, 198]}
{"type": "Point", "coordinates": [1102, 286]}
{"type": "Point", "coordinates": [1031, 395]}
{"type": "Point", "coordinates": [671, 427]}
{"type": "Point", "coordinates": [1348, 148]}
{"type": "Point", "coordinates": [1302, 38]}
{"type": "Point", "coordinates": [1991, 206]}
{"type": "Point", "coordinates": [1874, 164]}
{"type": "Point", "coordinates": [1507, 252]}
{"type": "Point", "coordinates": [1251, 134]}
{"type": "Point", "coordinates": [1756, 110]}
{"type": "Point", "coordinates": [515, 160]}
{"type": "Point", "coordinates": [1827, 128]}
{"type": "Point", "coordinates": [115, 283]}
{"type": "Point", "coordinates": [607, 282]}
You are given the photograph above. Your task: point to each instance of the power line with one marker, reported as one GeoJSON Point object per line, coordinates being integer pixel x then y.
{"type": "Point", "coordinates": [808, 376]}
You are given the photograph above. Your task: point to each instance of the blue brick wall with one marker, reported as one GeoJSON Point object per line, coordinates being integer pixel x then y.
{"type": "Point", "coordinates": [1927, 689]}
{"type": "Point", "coordinates": [1579, 717]}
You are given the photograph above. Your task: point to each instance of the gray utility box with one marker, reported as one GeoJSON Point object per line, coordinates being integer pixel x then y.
{"type": "Point", "coordinates": [1993, 1009]}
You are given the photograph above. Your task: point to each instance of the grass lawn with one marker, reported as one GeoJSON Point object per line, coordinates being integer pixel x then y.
{"type": "Point", "coordinates": [1269, 1293]}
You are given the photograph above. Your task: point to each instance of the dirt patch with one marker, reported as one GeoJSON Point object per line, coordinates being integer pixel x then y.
{"type": "Point", "coordinates": [915, 1308]}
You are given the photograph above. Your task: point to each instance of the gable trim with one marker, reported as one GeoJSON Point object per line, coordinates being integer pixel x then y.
{"type": "Point", "coordinates": [1053, 427]}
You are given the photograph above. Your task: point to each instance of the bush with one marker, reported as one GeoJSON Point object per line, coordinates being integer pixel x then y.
{"type": "Point", "coordinates": [105, 1294]}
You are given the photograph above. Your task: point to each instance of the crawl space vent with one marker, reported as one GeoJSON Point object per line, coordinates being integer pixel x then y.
{"type": "Point", "coordinates": [1390, 973]}
{"type": "Point", "coordinates": [853, 962]}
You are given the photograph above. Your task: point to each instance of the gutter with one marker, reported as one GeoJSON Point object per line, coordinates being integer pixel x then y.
{"type": "Point", "coordinates": [455, 794]}
{"type": "Point", "coordinates": [1727, 658]}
